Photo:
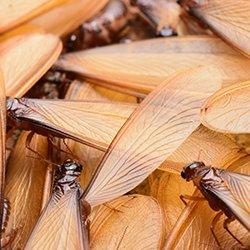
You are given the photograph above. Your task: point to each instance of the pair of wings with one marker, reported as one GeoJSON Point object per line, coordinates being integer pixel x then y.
{"type": "Point", "coordinates": [60, 225]}
{"type": "Point", "coordinates": [235, 194]}
{"type": "Point", "coordinates": [88, 122]}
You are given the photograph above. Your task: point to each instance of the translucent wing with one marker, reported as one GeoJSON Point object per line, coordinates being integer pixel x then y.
{"type": "Point", "coordinates": [165, 118]}
{"type": "Point", "coordinates": [93, 123]}
{"type": "Point", "coordinates": [228, 110]}
{"type": "Point", "coordinates": [60, 225]}
{"type": "Point", "coordinates": [69, 16]}
{"type": "Point", "coordinates": [229, 19]}
{"type": "Point", "coordinates": [239, 185]}
{"type": "Point", "coordinates": [15, 12]}
{"type": "Point", "coordinates": [24, 59]}
{"type": "Point", "coordinates": [141, 66]}
{"type": "Point", "coordinates": [234, 192]}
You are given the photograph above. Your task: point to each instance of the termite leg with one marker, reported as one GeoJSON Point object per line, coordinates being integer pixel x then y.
{"type": "Point", "coordinates": [215, 220]}
{"type": "Point", "coordinates": [28, 142]}
{"type": "Point", "coordinates": [191, 198]}
{"type": "Point", "coordinates": [225, 225]}
{"type": "Point", "coordinates": [70, 151]}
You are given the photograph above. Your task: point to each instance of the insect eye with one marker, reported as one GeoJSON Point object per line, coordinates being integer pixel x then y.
{"type": "Point", "coordinates": [183, 175]}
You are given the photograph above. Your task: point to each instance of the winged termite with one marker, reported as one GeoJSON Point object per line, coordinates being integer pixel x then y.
{"type": "Point", "coordinates": [62, 222]}
{"type": "Point", "coordinates": [25, 58]}
{"type": "Point", "coordinates": [92, 123]}
{"type": "Point", "coordinates": [229, 19]}
{"type": "Point", "coordinates": [162, 15]}
{"type": "Point", "coordinates": [16, 12]}
{"type": "Point", "coordinates": [141, 66]}
{"type": "Point", "coordinates": [24, 188]}
{"type": "Point", "coordinates": [224, 190]}
{"type": "Point", "coordinates": [228, 110]}
{"type": "Point", "coordinates": [101, 29]}
{"type": "Point", "coordinates": [69, 16]}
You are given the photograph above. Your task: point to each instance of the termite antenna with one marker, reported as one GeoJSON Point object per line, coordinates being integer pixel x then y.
{"type": "Point", "coordinates": [43, 160]}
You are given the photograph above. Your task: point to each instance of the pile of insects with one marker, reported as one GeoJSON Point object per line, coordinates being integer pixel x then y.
{"type": "Point", "coordinates": [124, 124]}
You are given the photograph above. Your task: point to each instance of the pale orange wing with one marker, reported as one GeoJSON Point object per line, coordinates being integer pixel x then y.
{"type": "Point", "coordinates": [141, 66]}
{"type": "Point", "coordinates": [228, 110]}
{"type": "Point", "coordinates": [2, 139]}
{"type": "Point", "coordinates": [24, 59]}
{"type": "Point", "coordinates": [93, 123]}
{"type": "Point", "coordinates": [235, 194]}
{"type": "Point", "coordinates": [165, 118]}
{"type": "Point", "coordinates": [69, 16]}
{"type": "Point", "coordinates": [239, 186]}
{"type": "Point", "coordinates": [229, 19]}
{"type": "Point", "coordinates": [60, 225]}
{"type": "Point", "coordinates": [15, 12]}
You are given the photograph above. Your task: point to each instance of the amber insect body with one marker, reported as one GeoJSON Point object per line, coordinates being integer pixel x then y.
{"type": "Point", "coordinates": [224, 190]}
{"type": "Point", "coordinates": [64, 214]}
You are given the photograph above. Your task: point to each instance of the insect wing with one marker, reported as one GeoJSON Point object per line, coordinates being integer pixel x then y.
{"type": "Point", "coordinates": [165, 118]}
{"type": "Point", "coordinates": [69, 16]}
{"type": "Point", "coordinates": [229, 19]}
{"type": "Point", "coordinates": [93, 123]}
{"type": "Point", "coordinates": [14, 12]}
{"type": "Point", "coordinates": [228, 110]}
{"type": "Point", "coordinates": [141, 66]}
{"type": "Point", "coordinates": [60, 225]}
{"type": "Point", "coordinates": [235, 194]}
{"type": "Point", "coordinates": [25, 58]}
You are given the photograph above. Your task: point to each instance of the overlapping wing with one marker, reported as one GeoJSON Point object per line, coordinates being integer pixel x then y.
{"type": "Point", "coordinates": [234, 192]}
{"type": "Point", "coordinates": [228, 110]}
{"type": "Point", "coordinates": [141, 66]}
{"type": "Point", "coordinates": [93, 123]}
{"type": "Point", "coordinates": [229, 19]}
{"type": "Point", "coordinates": [165, 118]}
{"type": "Point", "coordinates": [14, 12]}
{"type": "Point", "coordinates": [60, 225]}
{"type": "Point", "coordinates": [25, 58]}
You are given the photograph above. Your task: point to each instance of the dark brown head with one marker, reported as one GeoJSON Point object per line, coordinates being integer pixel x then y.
{"type": "Point", "coordinates": [193, 170]}
{"type": "Point", "coordinates": [70, 168]}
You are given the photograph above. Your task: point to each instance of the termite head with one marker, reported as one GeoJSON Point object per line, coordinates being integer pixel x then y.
{"type": "Point", "coordinates": [193, 170]}
{"type": "Point", "coordinates": [15, 106]}
{"type": "Point", "coordinates": [70, 168]}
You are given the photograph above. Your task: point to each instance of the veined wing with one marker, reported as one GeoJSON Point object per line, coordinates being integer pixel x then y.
{"type": "Point", "coordinates": [165, 118]}
{"type": "Point", "coordinates": [14, 12]}
{"type": "Point", "coordinates": [25, 58]}
{"type": "Point", "coordinates": [234, 192]}
{"type": "Point", "coordinates": [69, 16]}
{"type": "Point", "coordinates": [141, 66]}
{"type": "Point", "coordinates": [93, 123]}
{"type": "Point", "coordinates": [60, 225]}
{"type": "Point", "coordinates": [239, 185]}
{"type": "Point", "coordinates": [229, 19]}
{"type": "Point", "coordinates": [228, 110]}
